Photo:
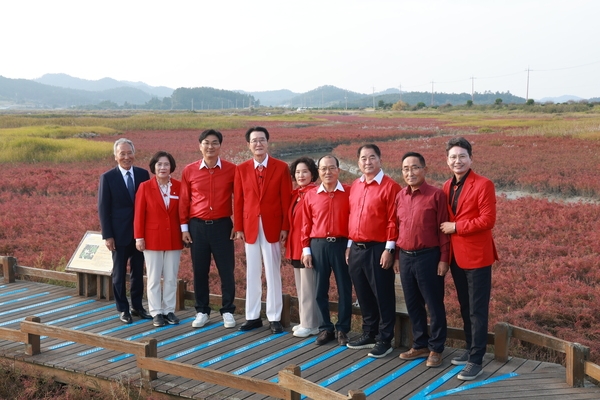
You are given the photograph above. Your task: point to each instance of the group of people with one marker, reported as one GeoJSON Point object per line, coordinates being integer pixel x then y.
{"type": "Point", "coordinates": [358, 232]}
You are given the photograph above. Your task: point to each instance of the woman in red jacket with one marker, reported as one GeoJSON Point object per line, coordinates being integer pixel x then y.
{"type": "Point", "coordinates": [158, 234]}
{"type": "Point", "coordinates": [305, 173]}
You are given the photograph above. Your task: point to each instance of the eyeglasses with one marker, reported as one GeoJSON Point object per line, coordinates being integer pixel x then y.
{"type": "Point", "coordinates": [331, 168]}
{"type": "Point", "coordinates": [213, 144]}
{"type": "Point", "coordinates": [412, 169]}
{"type": "Point", "coordinates": [259, 140]}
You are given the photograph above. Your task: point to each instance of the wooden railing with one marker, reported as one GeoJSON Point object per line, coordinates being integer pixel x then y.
{"type": "Point", "coordinates": [576, 355]}
{"type": "Point", "coordinates": [290, 385]}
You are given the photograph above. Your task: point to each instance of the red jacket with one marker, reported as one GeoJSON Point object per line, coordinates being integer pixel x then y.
{"type": "Point", "coordinates": [271, 206]}
{"type": "Point", "coordinates": [473, 245]}
{"type": "Point", "coordinates": [158, 226]}
{"type": "Point", "coordinates": [293, 245]}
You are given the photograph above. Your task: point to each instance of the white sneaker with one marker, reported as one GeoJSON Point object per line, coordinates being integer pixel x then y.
{"type": "Point", "coordinates": [306, 332]}
{"type": "Point", "coordinates": [228, 320]}
{"type": "Point", "coordinates": [296, 327]}
{"type": "Point", "coordinates": [200, 321]}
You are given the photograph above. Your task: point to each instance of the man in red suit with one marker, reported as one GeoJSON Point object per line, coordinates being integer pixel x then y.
{"type": "Point", "coordinates": [472, 212]}
{"type": "Point", "coordinates": [262, 191]}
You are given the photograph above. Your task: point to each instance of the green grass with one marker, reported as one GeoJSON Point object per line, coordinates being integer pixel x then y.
{"type": "Point", "coordinates": [53, 143]}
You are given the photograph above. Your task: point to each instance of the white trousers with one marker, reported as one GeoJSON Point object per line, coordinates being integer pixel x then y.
{"type": "Point", "coordinates": [271, 257]}
{"type": "Point", "coordinates": [163, 264]}
{"type": "Point", "coordinates": [306, 286]}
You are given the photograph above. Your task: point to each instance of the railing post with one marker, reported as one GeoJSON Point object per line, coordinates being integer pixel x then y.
{"type": "Point", "coordinates": [180, 296]}
{"type": "Point", "coordinates": [150, 351]}
{"type": "Point", "coordinates": [295, 370]}
{"type": "Point", "coordinates": [32, 346]}
{"type": "Point", "coordinates": [502, 334]}
{"type": "Point", "coordinates": [287, 310]}
{"type": "Point", "coordinates": [576, 355]}
{"type": "Point", "coordinates": [357, 395]}
{"type": "Point", "coordinates": [8, 268]}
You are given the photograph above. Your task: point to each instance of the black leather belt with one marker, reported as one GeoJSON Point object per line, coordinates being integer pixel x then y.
{"type": "Point", "coordinates": [415, 253]}
{"type": "Point", "coordinates": [212, 221]}
{"type": "Point", "coordinates": [330, 239]}
{"type": "Point", "coordinates": [365, 245]}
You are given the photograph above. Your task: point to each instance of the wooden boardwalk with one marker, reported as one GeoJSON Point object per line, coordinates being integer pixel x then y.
{"type": "Point", "coordinates": [257, 354]}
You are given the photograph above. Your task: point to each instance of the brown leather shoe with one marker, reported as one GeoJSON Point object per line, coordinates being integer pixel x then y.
{"type": "Point", "coordinates": [342, 338]}
{"type": "Point", "coordinates": [324, 337]}
{"type": "Point", "coordinates": [413, 354]}
{"type": "Point", "coordinates": [434, 359]}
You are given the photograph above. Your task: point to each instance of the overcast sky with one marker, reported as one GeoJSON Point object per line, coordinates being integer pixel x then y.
{"type": "Point", "coordinates": [301, 45]}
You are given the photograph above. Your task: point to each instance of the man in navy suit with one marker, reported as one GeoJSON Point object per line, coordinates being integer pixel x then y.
{"type": "Point", "coordinates": [116, 198]}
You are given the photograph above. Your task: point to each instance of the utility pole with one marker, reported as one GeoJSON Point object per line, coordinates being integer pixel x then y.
{"type": "Point", "coordinates": [527, 93]}
{"type": "Point", "coordinates": [400, 88]}
{"type": "Point", "coordinates": [346, 98]}
{"type": "Point", "coordinates": [432, 93]}
{"type": "Point", "coordinates": [472, 89]}
{"type": "Point", "coordinates": [192, 104]}
{"type": "Point", "coordinates": [373, 98]}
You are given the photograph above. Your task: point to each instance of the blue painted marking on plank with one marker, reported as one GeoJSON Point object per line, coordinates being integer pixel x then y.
{"type": "Point", "coordinates": [438, 382]}
{"type": "Point", "coordinates": [396, 374]}
{"type": "Point", "coordinates": [345, 372]}
{"type": "Point", "coordinates": [92, 323]}
{"type": "Point", "coordinates": [112, 330]}
{"type": "Point", "coordinates": [33, 296]}
{"type": "Point", "coordinates": [56, 321]}
{"type": "Point", "coordinates": [204, 345]}
{"type": "Point", "coordinates": [315, 361]}
{"type": "Point", "coordinates": [165, 342]}
{"type": "Point", "coordinates": [48, 312]}
{"type": "Point", "coordinates": [16, 310]}
{"type": "Point", "coordinates": [471, 386]}
{"type": "Point", "coordinates": [2, 287]}
{"type": "Point", "coordinates": [13, 292]}
{"type": "Point", "coordinates": [239, 350]}
{"type": "Point", "coordinates": [272, 357]}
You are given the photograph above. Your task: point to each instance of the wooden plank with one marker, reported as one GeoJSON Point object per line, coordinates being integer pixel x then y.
{"type": "Point", "coordinates": [214, 376]}
{"type": "Point", "coordinates": [92, 339]}
{"type": "Point", "coordinates": [592, 370]}
{"type": "Point", "coordinates": [539, 339]}
{"type": "Point", "coordinates": [45, 273]}
{"type": "Point", "coordinates": [12, 335]}
{"type": "Point", "coordinates": [8, 268]}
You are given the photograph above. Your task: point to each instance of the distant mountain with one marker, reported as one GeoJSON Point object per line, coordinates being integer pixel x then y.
{"type": "Point", "coordinates": [69, 82]}
{"type": "Point", "coordinates": [559, 99]}
{"type": "Point", "coordinates": [272, 98]}
{"type": "Point", "coordinates": [29, 93]}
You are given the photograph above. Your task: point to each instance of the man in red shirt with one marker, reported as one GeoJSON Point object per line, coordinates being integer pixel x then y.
{"type": "Point", "coordinates": [423, 254]}
{"type": "Point", "coordinates": [324, 239]}
{"type": "Point", "coordinates": [373, 229]}
{"type": "Point", "coordinates": [205, 209]}
{"type": "Point", "coordinates": [472, 215]}
{"type": "Point", "coordinates": [263, 190]}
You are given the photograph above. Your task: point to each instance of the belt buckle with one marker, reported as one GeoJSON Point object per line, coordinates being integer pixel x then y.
{"type": "Point", "coordinates": [209, 222]}
{"type": "Point", "coordinates": [361, 245]}
{"type": "Point", "coordinates": [331, 239]}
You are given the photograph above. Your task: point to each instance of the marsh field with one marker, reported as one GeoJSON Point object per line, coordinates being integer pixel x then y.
{"type": "Point", "coordinates": [546, 168]}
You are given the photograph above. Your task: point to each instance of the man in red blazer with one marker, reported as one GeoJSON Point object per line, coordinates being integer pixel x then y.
{"type": "Point", "coordinates": [472, 212]}
{"type": "Point", "coordinates": [262, 191]}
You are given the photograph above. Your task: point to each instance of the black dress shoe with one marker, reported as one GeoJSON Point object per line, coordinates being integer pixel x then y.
{"type": "Point", "coordinates": [141, 313]}
{"type": "Point", "coordinates": [158, 320]}
{"type": "Point", "coordinates": [276, 327]}
{"type": "Point", "coordinates": [251, 324]}
{"type": "Point", "coordinates": [171, 318]}
{"type": "Point", "coordinates": [125, 317]}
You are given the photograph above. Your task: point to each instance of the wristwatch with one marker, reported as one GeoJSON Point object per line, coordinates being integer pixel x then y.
{"type": "Point", "coordinates": [391, 251]}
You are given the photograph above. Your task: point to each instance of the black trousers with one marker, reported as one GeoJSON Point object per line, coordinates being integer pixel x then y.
{"type": "Point", "coordinates": [422, 286]}
{"type": "Point", "coordinates": [375, 290]}
{"type": "Point", "coordinates": [473, 287]}
{"type": "Point", "coordinates": [213, 238]}
{"type": "Point", "coordinates": [120, 256]}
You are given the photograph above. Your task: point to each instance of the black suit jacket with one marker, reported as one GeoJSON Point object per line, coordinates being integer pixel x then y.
{"type": "Point", "coordinates": [115, 207]}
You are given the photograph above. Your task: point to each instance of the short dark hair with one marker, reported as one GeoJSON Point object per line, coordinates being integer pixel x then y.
{"type": "Point", "coordinates": [460, 142]}
{"type": "Point", "coordinates": [369, 146]}
{"type": "Point", "coordinates": [158, 155]}
{"type": "Point", "coordinates": [337, 162]}
{"type": "Point", "coordinates": [256, 129]}
{"type": "Point", "coordinates": [209, 132]}
{"type": "Point", "coordinates": [414, 154]}
{"type": "Point", "coordinates": [310, 163]}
